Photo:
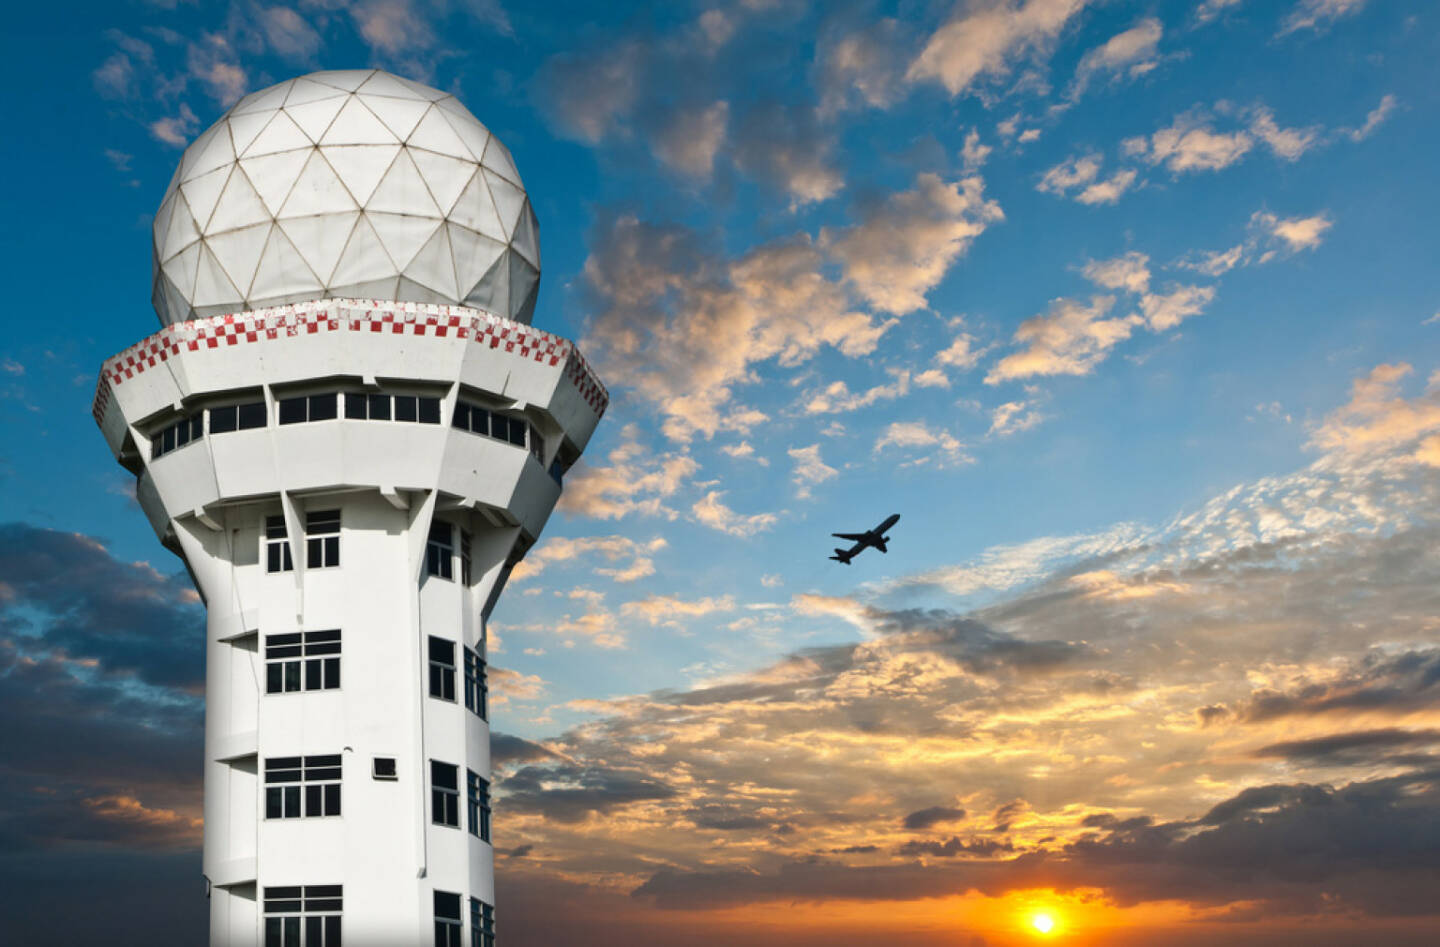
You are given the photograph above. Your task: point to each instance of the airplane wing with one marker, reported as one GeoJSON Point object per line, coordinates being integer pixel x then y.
{"type": "Point", "coordinates": [853, 537]}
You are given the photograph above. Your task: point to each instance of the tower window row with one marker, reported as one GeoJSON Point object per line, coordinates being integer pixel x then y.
{"type": "Point", "coordinates": [322, 542]}
{"type": "Point", "coordinates": [302, 660]}
{"type": "Point", "coordinates": [354, 406]}
{"type": "Point", "coordinates": [502, 427]}
{"type": "Point", "coordinates": [442, 675]}
{"type": "Point", "coordinates": [445, 799]}
{"type": "Point", "coordinates": [303, 915]}
{"type": "Point", "coordinates": [448, 922]}
{"type": "Point", "coordinates": [297, 661]}
{"type": "Point", "coordinates": [309, 916]}
{"type": "Point", "coordinates": [291, 779]}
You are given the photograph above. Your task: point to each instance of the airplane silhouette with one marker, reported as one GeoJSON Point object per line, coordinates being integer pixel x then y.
{"type": "Point", "coordinates": [875, 538]}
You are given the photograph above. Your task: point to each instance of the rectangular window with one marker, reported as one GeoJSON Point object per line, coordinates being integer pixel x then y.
{"type": "Point", "coordinates": [291, 779]}
{"type": "Point", "coordinates": [374, 407]}
{"type": "Point", "coordinates": [442, 668]}
{"type": "Point", "coordinates": [176, 435]}
{"type": "Point", "coordinates": [322, 539]}
{"type": "Point", "coordinates": [479, 420]}
{"type": "Point", "coordinates": [440, 551]}
{"type": "Point", "coordinates": [464, 558]}
{"type": "Point", "coordinates": [445, 795]}
{"type": "Point", "coordinates": [482, 924]}
{"type": "Point", "coordinates": [311, 910]}
{"type": "Point", "coordinates": [277, 546]}
{"type": "Point", "coordinates": [308, 408]}
{"type": "Point", "coordinates": [447, 919]}
{"type": "Point", "coordinates": [429, 410]}
{"type": "Point", "coordinates": [251, 415]}
{"type": "Point", "coordinates": [477, 800]}
{"type": "Point", "coordinates": [461, 417]}
{"type": "Point", "coordinates": [308, 660]}
{"type": "Point", "coordinates": [477, 689]}
{"type": "Point", "coordinates": [406, 408]}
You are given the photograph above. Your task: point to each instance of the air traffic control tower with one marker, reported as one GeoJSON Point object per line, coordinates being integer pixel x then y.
{"type": "Point", "coordinates": [349, 433]}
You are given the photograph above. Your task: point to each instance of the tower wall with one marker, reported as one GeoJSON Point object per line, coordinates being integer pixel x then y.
{"type": "Point", "coordinates": [220, 500]}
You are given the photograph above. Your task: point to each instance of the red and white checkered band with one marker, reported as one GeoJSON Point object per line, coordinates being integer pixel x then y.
{"type": "Point", "coordinates": [353, 315]}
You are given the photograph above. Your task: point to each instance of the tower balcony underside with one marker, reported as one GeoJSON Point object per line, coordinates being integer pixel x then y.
{"type": "Point", "coordinates": [453, 354]}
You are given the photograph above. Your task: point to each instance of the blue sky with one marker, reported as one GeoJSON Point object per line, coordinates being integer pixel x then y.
{"type": "Point", "coordinates": [1106, 299]}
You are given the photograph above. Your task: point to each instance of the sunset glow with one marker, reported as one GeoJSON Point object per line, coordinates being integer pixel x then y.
{"type": "Point", "coordinates": [1044, 923]}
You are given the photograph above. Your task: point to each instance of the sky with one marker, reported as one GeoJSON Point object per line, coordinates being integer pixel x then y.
{"type": "Point", "coordinates": [1130, 310]}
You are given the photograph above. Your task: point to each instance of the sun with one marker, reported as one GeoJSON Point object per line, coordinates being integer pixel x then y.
{"type": "Point", "coordinates": [1044, 923]}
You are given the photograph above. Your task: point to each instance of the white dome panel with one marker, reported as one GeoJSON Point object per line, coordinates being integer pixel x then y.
{"type": "Point", "coordinates": [345, 183]}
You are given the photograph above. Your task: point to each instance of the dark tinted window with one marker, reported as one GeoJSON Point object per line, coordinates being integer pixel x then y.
{"type": "Point", "coordinates": [429, 410]}
{"type": "Point", "coordinates": [406, 408]}
{"type": "Point", "coordinates": [323, 407]}
{"type": "Point", "coordinates": [222, 419]}
{"type": "Point", "coordinates": [252, 415]}
{"type": "Point", "coordinates": [292, 410]}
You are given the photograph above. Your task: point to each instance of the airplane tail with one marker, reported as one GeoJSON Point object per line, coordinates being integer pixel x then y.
{"type": "Point", "coordinates": [840, 556]}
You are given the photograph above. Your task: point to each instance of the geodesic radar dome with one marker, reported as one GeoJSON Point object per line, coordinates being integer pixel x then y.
{"type": "Point", "coordinates": [345, 184]}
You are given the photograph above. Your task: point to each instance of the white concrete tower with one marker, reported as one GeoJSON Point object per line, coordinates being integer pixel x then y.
{"type": "Point", "coordinates": [350, 434]}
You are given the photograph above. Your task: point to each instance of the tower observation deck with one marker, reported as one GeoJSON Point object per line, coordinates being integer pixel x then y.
{"type": "Point", "coordinates": [349, 433]}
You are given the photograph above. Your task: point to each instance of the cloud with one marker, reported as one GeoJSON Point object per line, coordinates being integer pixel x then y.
{"type": "Point", "coordinates": [909, 435]}
{"type": "Point", "coordinates": [1070, 173]}
{"type": "Point", "coordinates": [932, 816]}
{"type": "Point", "coordinates": [1378, 682]}
{"type": "Point", "coordinates": [710, 511]}
{"type": "Point", "coordinates": [809, 469]}
{"type": "Point", "coordinates": [1317, 14]}
{"type": "Point", "coordinates": [613, 549]}
{"type": "Point", "coordinates": [1361, 746]}
{"type": "Point", "coordinates": [1133, 53]}
{"type": "Point", "coordinates": [1165, 311]}
{"type": "Point", "coordinates": [1208, 10]}
{"type": "Point", "coordinates": [635, 480]}
{"type": "Point", "coordinates": [1377, 117]}
{"type": "Point", "coordinates": [126, 617]}
{"type": "Point", "coordinates": [860, 67]}
{"type": "Point", "coordinates": [1109, 190]}
{"type": "Point", "coordinates": [665, 609]}
{"type": "Point", "coordinates": [984, 40]}
{"type": "Point", "coordinates": [1378, 422]}
{"type": "Point", "coordinates": [176, 130]}
{"type": "Point", "coordinates": [287, 33]}
{"type": "Point", "coordinates": [1071, 339]}
{"type": "Point", "coordinates": [744, 450]}
{"type": "Point", "coordinates": [1129, 272]}
{"type": "Point", "coordinates": [1191, 144]}
{"type": "Point", "coordinates": [1287, 143]}
{"type": "Point", "coordinates": [973, 154]}
{"type": "Point", "coordinates": [588, 94]}
{"type": "Point", "coordinates": [960, 353]}
{"type": "Point", "coordinates": [1013, 417]}
{"type": "Point", "coordinates": [690, 138]}
{"type": "Point", "coordinates": [1293, 233]}
{"type": "Point", "coordinates": [836, 397]}
{"type": "Point", "coordinates": [567, 792]}
{"type": "Point", "coordinates": [785, 147]}
{"type": "Point", "coordinates": [1269, 237]}
{"type": "Point", "coordinates": [683, 324]}
{"type": "Point", "coordinates": [900, 249]}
